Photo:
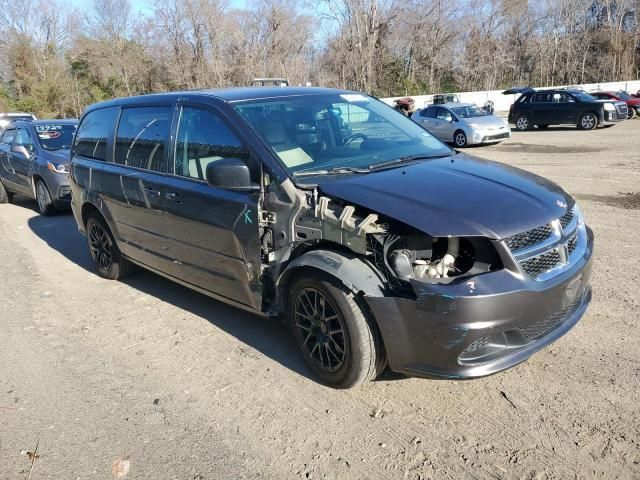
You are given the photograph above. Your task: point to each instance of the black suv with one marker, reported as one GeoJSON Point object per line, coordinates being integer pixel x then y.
{"type": "Point", "coordinates": [564, 106]}
{"type": "Point", "coordinates": [376, 241]}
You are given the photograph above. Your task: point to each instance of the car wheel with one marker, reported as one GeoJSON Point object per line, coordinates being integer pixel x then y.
{"type": "Point", "coordinates": [631, 113]}
{"type": "Point", "coordinates": [544, 126]}
{"type": "Point", "coordinates": [523, 123]}
{"type": "Point", "coordinates": [5, 195]}
{"type": "Point", "coordinates": [459, 139]}
{"type": "Point", "coordinates": [588, 121]}
{"type": "Point", "coordinates": [338, 340]}
{"type": "Point", "coordinates": [105, 253]}
{"type": "Point", "coordinates": [43, 197]}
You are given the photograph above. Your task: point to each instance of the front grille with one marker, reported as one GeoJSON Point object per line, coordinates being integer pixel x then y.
{"type": "Point", "coordinates": [544, 326]}
{"type": "Point", "coordinates": [623, 110]}
{"type": "Point", "coordinates": [529, 238]}
{"type": "Point", "coordinates": [565, 219]}
{"type": "Point", "coordinates": [498, 136]}
{"type": "Point", "coordinates": [536, 265]}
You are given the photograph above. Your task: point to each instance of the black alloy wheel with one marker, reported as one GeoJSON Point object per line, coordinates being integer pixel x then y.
{"type": "Point", "coordinates": [321, 329]}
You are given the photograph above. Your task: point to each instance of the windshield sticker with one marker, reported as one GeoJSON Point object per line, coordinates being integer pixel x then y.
{"type": "Point", "coordinates": [354, 97]}
{"type": "Point", "coordinates": [47, 128]}
{"type": "Point", "coordinates": [49, 135]}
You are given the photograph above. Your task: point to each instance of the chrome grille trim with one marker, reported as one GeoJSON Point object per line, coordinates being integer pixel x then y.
{"type": "Point", "coordinates": [529, 238]}
{"type": "Point", "coordinates": [544, 258]}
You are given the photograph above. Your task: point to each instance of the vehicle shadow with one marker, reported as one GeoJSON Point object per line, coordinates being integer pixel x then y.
{"type": "Point", "coordinates": [25, 202]}
{"type": "Point", "coordinates": [270, 337]}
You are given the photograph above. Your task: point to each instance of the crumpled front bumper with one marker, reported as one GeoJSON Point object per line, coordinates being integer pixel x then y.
{"type": "Point", "coordinates": [483, 325]}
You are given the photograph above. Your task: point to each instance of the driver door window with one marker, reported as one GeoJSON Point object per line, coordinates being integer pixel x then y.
{"type": "Point", "coordinates": [444, 115]}
{"type": "Point", "coordinates": [203, 137]}
{"type": "Point", "coordinates": [23, 139]}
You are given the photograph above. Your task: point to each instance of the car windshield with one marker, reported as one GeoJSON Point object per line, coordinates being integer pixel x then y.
{"type": "Point", "coordinates": [585, 97]}
{"type": "Point", "coordinates": [624, 95]}
{"type": "Point", "coordinates": [317, 133]}
{"type": "Point", "coordinates": [55, 136]}
{"type": "Point", "coordinates": [470, 111]}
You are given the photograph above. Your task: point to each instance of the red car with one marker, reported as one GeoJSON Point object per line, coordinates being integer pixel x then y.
{"type": "Point", "coordinates": [633, 102]}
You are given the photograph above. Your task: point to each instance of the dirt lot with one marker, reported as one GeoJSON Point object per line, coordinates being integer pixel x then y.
{"type": "Point", "coordinates": [148, 376]}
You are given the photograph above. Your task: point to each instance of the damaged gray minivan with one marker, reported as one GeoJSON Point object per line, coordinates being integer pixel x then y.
{"type": "Point", "coordinates": [378, 243]}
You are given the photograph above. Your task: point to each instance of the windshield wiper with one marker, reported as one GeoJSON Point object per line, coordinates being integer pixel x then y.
{"type": "Point", "coordinates": [370, 168]}
{"type": "Point", "coordinates": [396, 162]}
{"type": "Point", "coordinates": [330, 171]}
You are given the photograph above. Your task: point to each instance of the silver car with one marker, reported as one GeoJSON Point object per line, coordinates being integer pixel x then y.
{"type": "Point", "coordinates": [462, 124]}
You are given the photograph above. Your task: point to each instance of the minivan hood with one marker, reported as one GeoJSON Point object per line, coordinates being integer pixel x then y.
{"type": "Point", "coordinates": [61, 157]}
{"type": "Point", "coordinates": [458, 195]}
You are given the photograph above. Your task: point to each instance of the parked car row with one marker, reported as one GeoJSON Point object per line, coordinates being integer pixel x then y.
{"type": "Point", "coordinates": [376, 241]}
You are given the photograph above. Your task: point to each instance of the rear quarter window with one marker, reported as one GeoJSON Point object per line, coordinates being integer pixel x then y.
{"type": "Point", "coordinates": [93, 132]}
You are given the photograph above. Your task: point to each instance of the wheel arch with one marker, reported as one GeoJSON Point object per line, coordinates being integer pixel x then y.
{"type": "Point", "coordinates": [352, 271]}
{"type": "Point", "coordinates": [34, 179]}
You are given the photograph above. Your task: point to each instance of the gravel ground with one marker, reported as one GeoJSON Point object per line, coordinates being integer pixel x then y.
{"type": "Point", "coordinates": [145, 379]}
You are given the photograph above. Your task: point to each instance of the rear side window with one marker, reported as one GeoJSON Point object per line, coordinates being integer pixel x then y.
{"type": "Point", "coordinates": [202, 138]}
{"type": "Point", "coordinates": [91, 138]}
{"type": "Point", "coordinates": [428, 112]}
{"type": "Point", "coordinates": [142, 137]}
{"type": "Point", "coordinates": [542, 98]}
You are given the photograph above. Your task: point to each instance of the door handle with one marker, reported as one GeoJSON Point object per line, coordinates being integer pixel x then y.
{"type": "Point", "coordinates": [152, 192]}
{"type": "Point", "coordinates": [175, 197]}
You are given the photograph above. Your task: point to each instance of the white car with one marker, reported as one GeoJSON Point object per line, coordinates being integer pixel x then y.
{"type": "Point", "coordinates": [462, 124]}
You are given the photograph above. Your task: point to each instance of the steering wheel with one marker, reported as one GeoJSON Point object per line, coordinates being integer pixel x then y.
{"type": "Point", "coordinates": [355, 136]}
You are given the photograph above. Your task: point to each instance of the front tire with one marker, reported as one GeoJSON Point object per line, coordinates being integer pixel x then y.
{"type": "Point", "coordinates": [105, 252]}
{"type": "Point", "coordinates": [5, 195]}
{"type": "Point", "coordinates": [631, 113]}
{"type": "Point", "coordinates": [460, 139]}
{"type": "Point", "coordinates": [523, 123]}
{"type": "Point", "coordinates": [588, 121]}
{"type": "Point", "coordinates": [338, 340]}
{"type": "Point", "coordinates": [43, 197]}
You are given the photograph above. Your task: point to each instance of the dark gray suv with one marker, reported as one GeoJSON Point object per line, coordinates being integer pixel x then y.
{"type": "Point", "coordinates": [34, 161]}
{"type": "Point", "coordinates": [377, 242]}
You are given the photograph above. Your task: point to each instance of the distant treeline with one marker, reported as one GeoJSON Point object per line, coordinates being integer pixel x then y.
{"type": "Point", "coordinates": [55, 59]}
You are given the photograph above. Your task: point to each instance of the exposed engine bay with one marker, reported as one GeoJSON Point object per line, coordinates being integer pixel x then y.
{"type": "Point", "coordinates": [399, 252]}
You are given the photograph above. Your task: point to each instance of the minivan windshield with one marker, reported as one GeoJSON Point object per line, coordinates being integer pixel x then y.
{"type": "Point", "coordinates": [55, 136]}
{"type": "Point", "coordinates": [470, 111]}
{"type": "Point", "coordinates": [345, 133]}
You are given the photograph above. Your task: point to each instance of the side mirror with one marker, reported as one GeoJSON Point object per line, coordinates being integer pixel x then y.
{"type": "Point", "coordinates": [230, 173]}
{"type": "Point", "coordinates": [21, 149]}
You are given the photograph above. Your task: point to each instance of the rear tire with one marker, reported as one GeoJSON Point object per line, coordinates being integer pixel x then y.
{"type": "Point", "coordinates": [523, 123]}
{"type": "Point", "coordinates": [460, 139]}
{"type": "Point", "coordinates": [5, 195]}
{"type": "Point", "coordinates": [337, 338]}
{"type": "Point", "coordinates": [104, 251]}
{"type": "Point", "coordinates": [43, 197]}
{"type": "Point", "coordinates": [588, 121]}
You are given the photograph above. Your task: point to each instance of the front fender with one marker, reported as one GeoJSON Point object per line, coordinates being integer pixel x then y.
{"type": "Point", "coordinates": [353, 271]}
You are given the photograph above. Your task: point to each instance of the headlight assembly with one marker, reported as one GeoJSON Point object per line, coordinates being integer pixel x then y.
{"type": "Point", "coordinates": [58, 167]}
{"type": "Point", "coordinates": [609, 107]}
